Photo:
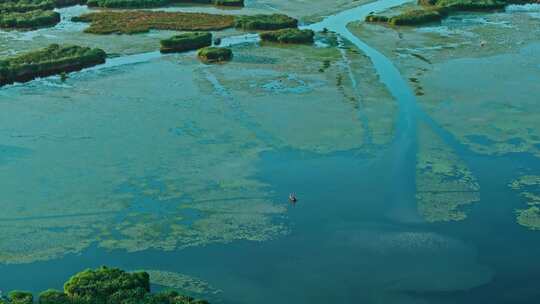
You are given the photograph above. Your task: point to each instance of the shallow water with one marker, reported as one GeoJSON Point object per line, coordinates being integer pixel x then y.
{"type": "Point", "coordinates": [162, 163]}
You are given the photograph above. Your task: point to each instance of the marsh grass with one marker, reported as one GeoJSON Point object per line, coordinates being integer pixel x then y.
{"type": "Point", "coordinates": [186, 42]}
{"type": "Point", "coordinates": [215, 54]}
{"type": "Point", "coordinates": [289, 36]}
{"type": "Point", "coordinates": [131, 22]}
{"type": "Point", "coordinates": [265, 22]}
{"type": "Point", "coordinates": [29, 20]}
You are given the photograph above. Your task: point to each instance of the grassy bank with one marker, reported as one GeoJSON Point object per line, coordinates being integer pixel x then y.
{"type": "Point", "coordinates": [29, 20]}
{"type": "Point", "coordinates": [21, 6]}
{"type": "Point", "coordinates": [142, 21]}
{"type": "Point", "coordinates": [186, 42]}
{"type": "Point", "coordinates": [48, 61]}
{"type": "Point", "coordinates": [288, 36]}
{"type": "Point", "coordinates": [103, 286]}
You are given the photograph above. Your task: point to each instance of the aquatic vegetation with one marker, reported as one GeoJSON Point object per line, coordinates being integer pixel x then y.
{"type": "Point", "coordinates": [180, 282]}
{"type": "Point", "coordinates": [48, 61]}
{"type": "Point", "coordinates": [131, 22]}
{"type": "Point", "coordinates": [265, 22]}
{"type": "Point", "coordinates": [529, 187]}
{"type": "Point", "coordinates": [29, 20]}
{"type": "Point", "coordinates": [186, 42]}
{"type": "Point", "coordinates": [376, 18]}
{"type": "Point", "coordinates": [288, 36]}
{"type": "Point", "coordinates": [215, 54]}
{"type": "Point", "coordinates": [444, 184]}
{"type": "Point", "coordinates": [104, 286]}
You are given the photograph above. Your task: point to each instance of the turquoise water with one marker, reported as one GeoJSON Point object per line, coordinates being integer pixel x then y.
{"type": "Point", "coordinates": [166, 142]}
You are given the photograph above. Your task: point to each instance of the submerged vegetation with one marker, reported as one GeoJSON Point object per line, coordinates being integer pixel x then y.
{"type": "Point", "coordinates": [529, 187]}
{"type": "Point", "coordinates": [104, 286]}
{"type": "Point", "coordinates": [186, 42]}
{"type": "Point", "coordinates": [29, 20]}
{"type": "Point", "coordinates": [444, 183]}
{"type": "Point", "coordinates": [265, 22]}
{"type": "Point", "coordinates": [288, 36]}
{"type": "Point", "coordinates": [215, 54]}
{"type": "Point", "coordinates": [130, 22]}
{"type": "Point", "coordinates": [51, 60]}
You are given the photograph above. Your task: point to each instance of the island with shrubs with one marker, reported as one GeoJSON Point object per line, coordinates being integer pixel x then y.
{"type": "Point", "coordinates": [159, 3]}
{"type": "Point", "coordinates": [289, 35]}
{"type": "Point", "coordinates": [103, 286]}
{"type": "Point", "coordinates": [186, 42]}
{"type": "Point", "coordinates": [52, 60]}
{"type": "Point", "coordinates": [31, 14]}
{"type": "Point", "coordinates": [215, 54]}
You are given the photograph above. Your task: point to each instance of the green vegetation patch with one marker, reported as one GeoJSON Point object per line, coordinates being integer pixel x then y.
{"type": "Point", "coordinates": [415, 17]}
{"type": "Point", "coordinates": [186, 42]}
{"type": "Point", "coordinates": [29, 20]}
{"type": "Point", "coordinates": [215, 54]}
{"type": "Point", "coordinates": [465, 5]}
{"type": "Point", "coordinates": [130, 22]}
{"type": "Point", "coordinates": [289, 36]}
{"type": "Point", "coordinates": [51, 60]}
{"type": "Point", "coordinates": [265, 22]}
{"type": "Point", "coordinates": [180, 282]}
{"type": "Point", "coordinates": [104, 286]}
{"type": "Point", "coordinates": [158, 3]}
{"type": "Point", "coordinates": [22, 6]}
{"type": "Point", "coordinates": [529, 217]}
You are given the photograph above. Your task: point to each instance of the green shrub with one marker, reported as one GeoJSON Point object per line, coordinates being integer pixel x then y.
{"type": "Point", "coordinates": [29, 20]}
{"type": "Point", "coordinates": [186, 42]}
{"type": "Point", "coordinates": [20, 297]}
{"type": "Point", "coordinates": [265, 22]}
{"type": "Point", "coordinates": [53, 296]}
{"type": "Point", "coordinates": [215, 54]}
{"type": "Point", "coordinates": [468, 5]}
{"type": "Point", "coordinates": [127, 3]}
{"type": "Point", "coordinates": [107, 285]}
{"type": "Point", "coordinates": [289, 36]}
{"type": "Point", "coordinates": [52, 60]}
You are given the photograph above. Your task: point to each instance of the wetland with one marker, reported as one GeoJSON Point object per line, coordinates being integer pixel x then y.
{"type": "Point", "coordinates": [163, 138]}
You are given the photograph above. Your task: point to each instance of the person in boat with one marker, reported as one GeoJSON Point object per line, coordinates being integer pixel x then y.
{"type": "Point", "coordinates": [292, 198]}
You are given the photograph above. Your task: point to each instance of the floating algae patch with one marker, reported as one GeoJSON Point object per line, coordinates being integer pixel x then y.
{"type": "Point", "coordinates": [180, 282]}
{"type": "Point", "coordinates": [529, 187]}
{"type": "Point", "coordinates": [178, 171]}
{"type": "Point", "coordinates": [444, 184]}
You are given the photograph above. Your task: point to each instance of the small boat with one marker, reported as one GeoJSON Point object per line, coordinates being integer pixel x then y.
{"type": "Point", "coordinates": [292, 198]}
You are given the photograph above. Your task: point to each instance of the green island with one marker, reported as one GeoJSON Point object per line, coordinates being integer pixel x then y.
{"type": "Point", "coordinates": [186, 42]}
{"type": "Point", "coordinates": [435, 10]}
{"type": "Point", "coordinates": [131, 22]}
{"type": "Point", "coordinates": [103, 286]}
{"type": "Point", "coordinates": [215, 54]}
{"type": "Point", "coordinates": [52, 60]}
{"type": "Point", "coordinates": [29, 20]}
{"type": "Point", "coordinates": [158, 3]}
{"type": "Point", "coordinates": [289, 35]}
{"type": "Point", "coordinates": [265, 22]}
